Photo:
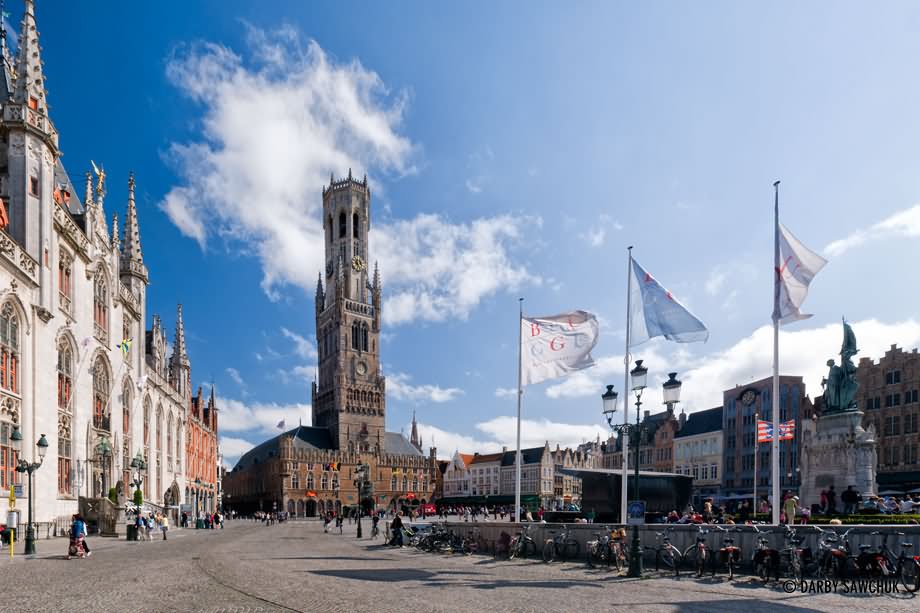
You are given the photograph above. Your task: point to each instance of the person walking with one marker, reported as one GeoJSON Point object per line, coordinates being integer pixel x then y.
{"type": "Point", "coordinates": [789, 508]}
{"type": "Point", "coordinates": [397, 527]}
{"type": "Point", "coordinates": [831, 501]}
{"type": "Point", "coordinates": [78, 530]}
{"type": "Point", "coordinates": [849, 498]}
{"type": "Point", "coordinates": [164, 525]}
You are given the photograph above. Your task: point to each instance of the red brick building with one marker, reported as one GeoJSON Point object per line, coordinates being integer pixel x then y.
{"type": "Point", "coordinates": [201, 454]}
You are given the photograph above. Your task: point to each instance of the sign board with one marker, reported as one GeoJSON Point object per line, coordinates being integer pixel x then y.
{"type": "Point", "coordinates": [185, 508]}
{"type": "Point", "coordinates": [635, 512]}
{"type": "Point", "coordinates": [18, 490]}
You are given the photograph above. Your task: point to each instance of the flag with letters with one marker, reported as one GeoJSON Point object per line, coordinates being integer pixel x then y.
{"type": "Point", "coordinates": [798, 265]}
{"type": "Point", "coordinates": [654, 311]}
{"type": "Point", "coordinates": [556, 345]}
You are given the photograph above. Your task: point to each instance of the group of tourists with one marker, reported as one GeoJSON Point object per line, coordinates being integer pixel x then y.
{"type": "Point", "coordinates": [147, 525]}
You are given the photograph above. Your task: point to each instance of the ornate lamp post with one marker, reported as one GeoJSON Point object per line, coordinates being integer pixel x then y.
{"type": "Point", "coordinates": [29, 467]}
{"type": "Point", "coordinates": [138, 464]}
{"type": "Point", "coordinates": [633, 434]}
{"type": "Point", "coordinates": [197, 502]}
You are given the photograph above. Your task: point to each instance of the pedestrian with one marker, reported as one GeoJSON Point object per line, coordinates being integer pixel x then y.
{"type": "Point", "coordinates": [824, 501]}
{"type": "Point", "coordinates": [148, 527]}
{"type": "Point", "coordinates": [849, 498]}
{"type": "Point", "coordinates": [164, 525]}
{"type": "Point", "coordinates": [78, 530]}
{"type": "Point", "coordinates": [789, 508]}
{"type": "Point", "coordinates": [338, 522]}
{"type": "Point", "coordinates": [831, 501]}
{"type": "Point", "coordinates": [396, 527]}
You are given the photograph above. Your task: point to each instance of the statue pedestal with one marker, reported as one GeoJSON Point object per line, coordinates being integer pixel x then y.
{"type": "Point", "coordinates": [838, 451]}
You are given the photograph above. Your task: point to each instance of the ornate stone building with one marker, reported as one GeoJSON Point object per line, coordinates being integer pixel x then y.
{"type": "Point", "coordinates": [310, 469]}
{"type": "Point", "coordinates": [77, 365]}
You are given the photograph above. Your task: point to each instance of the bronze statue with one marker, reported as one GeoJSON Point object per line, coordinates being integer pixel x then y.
{"type": "Point", "coordinates": [840, 385]}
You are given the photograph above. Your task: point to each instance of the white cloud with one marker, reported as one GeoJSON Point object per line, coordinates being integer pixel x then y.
{"type": "Point", "coordinates": [232, 448]}
{"type": "Point", "coordinates": [303, 373]}
{"type": "Point", "coordinates": [276, 124]}
{"type": "Point", "coordinates": [442, 270]}
{"type": "Point", "coordinates": [716, 281]}
{"type": "Point", "coordinates": [803, 352]}
{"type": "Point", "coordinates": [597, 234]}
{"type": "Point", "coordinates": [235, 375]}
{"type": "Point", "coordinates": [473, 186]}
{"type": "Point", "coordinates": [904, 223]}
{"type": "Point", "coordinates": [502, 431]}
{"type": "Point", "coordinates": [260, 419]}
{"type": "Point", "coordinates": [302, 346]}
{"type": "Point", "coordinates": [399, 387]}
{"type": "Point", "coordinates": [505, 392]}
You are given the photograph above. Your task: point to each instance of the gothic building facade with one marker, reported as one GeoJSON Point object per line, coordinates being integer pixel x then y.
{"type": "Point", "coordinates": [76, 364]}
{"type": "Point", "coordinates": [308, 470]}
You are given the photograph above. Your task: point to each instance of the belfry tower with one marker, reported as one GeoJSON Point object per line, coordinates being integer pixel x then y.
{"type": "Point", "coordinates": [349, 397]}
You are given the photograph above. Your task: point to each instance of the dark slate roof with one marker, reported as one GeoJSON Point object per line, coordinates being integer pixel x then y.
{"type": "Point", "coordinates": [61, 178]}
{"type": "Point", "coordinates": [305, 437]}
{"type": "Point", "coordinates": [709, 420]}
{"type": "Point", "coordinates": [530, 456]}
{"type": "Point", "coordinates": [397, 444]}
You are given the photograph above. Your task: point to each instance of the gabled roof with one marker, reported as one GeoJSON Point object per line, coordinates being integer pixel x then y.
{"type": "Point", "coordinates": [530, 456]}
{"type": "Point", "coordinates": [467, 458]}
{"type": "Point", "coordinates": [396, 444]}
{"type": "Point", "coordinates": [700, 422]}
{"type": "Point", "coordinates": [305, 437]}
{"type": "Point", "coordinates": [487, 457]}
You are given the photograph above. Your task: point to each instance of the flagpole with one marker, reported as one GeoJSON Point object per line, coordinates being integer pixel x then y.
{"type": "Point", "coordinates": [756, 445]}
{"type": "Point", "coordinates": [777, 502]}
{"type": "Point", "coordinates": [520, 394]}
{"type": "Point", "coordinates": [624, 480]}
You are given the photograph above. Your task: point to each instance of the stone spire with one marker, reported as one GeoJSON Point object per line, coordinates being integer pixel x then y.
{"type": "Point", "coordinates": [115, 230]}
{"type": "Point", "coordinates": [180, 354]}
{"type": "Point", "coordinates": [30, 80]}
{"type": "Point", "coordinates": [7, 64]}
{"type": "Point", "coordinates": [320, 294]}
{"type": "Point", "coordinates": [179, 365]}
{"type": "Point", "coordinates": [413, 438]}
{"type": "Point", "coordinates": [132, 258]}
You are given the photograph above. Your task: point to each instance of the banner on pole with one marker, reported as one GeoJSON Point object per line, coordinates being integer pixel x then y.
{"type": "Point", "coordinates": [556, 345]}
{"type": "Point", "coordinates": [654, 311]}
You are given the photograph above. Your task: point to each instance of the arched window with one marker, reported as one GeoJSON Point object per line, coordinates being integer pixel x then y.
{"type": "Point", "coordinates": [146, 422]}
{"type": "Point", "coordinates": [126, 409]}
{"type": "Point", "coordinates": [364, 337]}
{"type": "Point", "coordinates": [178, 447]}
{"type": "Point", "coordinates": [65, 280]}
{"type": "Point", "coordinates": [342, 228]}
{"type": "Point", "coordinates": [324, 482]}
{"type": "Point", "coordinates": [415, 484]}
{"type": "Point", "coordinates": [65, 375]}
{"type": "Point", "coordinates": [169, 443]}
{"type": "Point", "coordinates": [100, 395]}
{"type": "Point", "coordinates": [335, 481]}
{"type": "Point", "coordinates": [101, 308]}
{"type": "Point", "coordinates": [9, 346]}
{"type": "Point", "coordinates": [310, 481]}
{"type": "Point", "coordinates": [393, 483]}
{"type": "Point", "coordinates": [405, 484]}
{"type": "Point", "coordinates": [159, 429]}
{"type": "Point", "coordinates": [295, 481]}
{"type": "Point", "coordinates": [329, 229]}
{"type": "Point", "coordinates": [356, 226]}
{"type": "Point", "coordinates": [355, 335]}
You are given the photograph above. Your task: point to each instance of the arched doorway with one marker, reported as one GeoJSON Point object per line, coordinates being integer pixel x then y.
{"type": "Point", "coordinates": [290, 507]}
{"type": "Point", "coordinates": [338, 507]}
{"type": "Point", "coordinates": [311, 508]}
{"type": "Point", "coordinates": [300, 508]}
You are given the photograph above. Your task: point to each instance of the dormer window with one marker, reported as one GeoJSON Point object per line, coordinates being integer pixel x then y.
{"type": "Point", "coordinates": [33, 103]}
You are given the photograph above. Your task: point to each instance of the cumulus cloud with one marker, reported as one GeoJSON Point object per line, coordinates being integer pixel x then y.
{"type": "Point", "coordinates": [802, 352]}
{"type": "Point", "coordinates": [259, 419]}
{"type": "Point", "coordinates": [904, 224]}
{"type": "Point", "coordinates": [232, 448]}
{"type": "Point", "coordinates": [596, 235]}
{"type": "Point", "coordinates": [277, 123]}
{"type": "Point", "coordinates": [442, 270]}
{"type": "Point", "coordinates": [235, 375]}
{"type": "Point", "coordinates": [399, 387]}
{"type": "Point", "coordinates": [302, 346]}
{"type": "Point", "coordinates": [502, 431]}
{"type": "Point", "coordinates": [505, 392]}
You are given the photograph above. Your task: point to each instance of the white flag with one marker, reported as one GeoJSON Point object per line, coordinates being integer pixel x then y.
{"type": "Point", "coordinates": [654, 311]}
{"type": "Point", "coordinates": [798, 265]}
{"type": "Point", "coordinates": [556, 345]}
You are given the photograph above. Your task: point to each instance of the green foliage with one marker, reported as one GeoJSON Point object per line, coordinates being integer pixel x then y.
{"type": "Point", "coordinates": [138, 497]}
{"type": "Point", "coordinates": [113, 495]}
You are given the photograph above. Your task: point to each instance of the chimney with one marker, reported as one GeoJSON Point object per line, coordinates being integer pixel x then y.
{"type": "Point", "coordinates": [682, 421]}
{"type": "Point", "coordinates": [648, 413]}
{"type": "Point", "coordinates": [504, 449]}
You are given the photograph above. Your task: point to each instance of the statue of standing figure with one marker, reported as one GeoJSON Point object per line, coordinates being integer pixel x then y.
{"type": "Point", "coordinates": [840, 385]}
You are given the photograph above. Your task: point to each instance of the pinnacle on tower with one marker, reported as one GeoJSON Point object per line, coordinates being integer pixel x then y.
{"type": "Point", "coordinates": [413, 438]}
{"type": "Point", "coordinates": [114, 228]}
{"type": "Point", "coordinates": [132, 258]}
{"type": "Point", "coordinates": [180, 355]}
{"type": "Point", "coordinates": [30, 82]}
{"type": "Point", "coordinates": [376, 276]}
{"type": "Point", "coordinates": [7, 67]}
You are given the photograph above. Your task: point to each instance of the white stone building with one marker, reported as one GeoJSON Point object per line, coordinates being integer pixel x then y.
{"type": "Point", "coordinates": [77, 364]}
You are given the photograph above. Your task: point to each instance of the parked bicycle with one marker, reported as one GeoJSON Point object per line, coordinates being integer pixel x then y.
{"type": "Point", "coordinates": [728, 556]}
{"type": "Point", "coordinates": [560, 545]}
{"type": "Point", "coordinates": [522, 545]}
{"type": "Point", "coordinates": [795, 557]}
{"type": "Point", "coordinates": [666, 553]}
{"type": "Point", "coordinates": [696, 555]}
{"type": "Point", "coordinates": [766, 557]}
{"type": "Point", "coordinates": [599, 550]}
{"type": "Point", "coordinates": [904, 566]}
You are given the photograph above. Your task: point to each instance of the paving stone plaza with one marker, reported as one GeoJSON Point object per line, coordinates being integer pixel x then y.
{"type": "Point", "coordinates": [294, 566]}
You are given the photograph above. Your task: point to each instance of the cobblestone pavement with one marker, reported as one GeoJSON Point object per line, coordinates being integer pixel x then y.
{"type": "Point", "coordinates": [296, 567]}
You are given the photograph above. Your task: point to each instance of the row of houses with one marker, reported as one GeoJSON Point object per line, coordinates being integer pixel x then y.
{"type": "Point", "coordinates": [489, 479]}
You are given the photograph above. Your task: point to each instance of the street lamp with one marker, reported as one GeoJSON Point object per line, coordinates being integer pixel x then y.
{"type": "Point", "coordinates": [138, 464]}
{"type": "Point", "coordinates": [29, 467]}
{"type": "Point", "coordinates": [197, 502]}
{"type": "Point", "coordinates": [671, 390]}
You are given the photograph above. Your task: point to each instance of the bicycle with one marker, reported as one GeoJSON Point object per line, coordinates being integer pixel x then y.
{"type": "Point", "coordinates": [560, 545]}
{"type": "Point", "coordinates": [728, 555]}
{"type": "Point", "coordinates": [697, 555]}
{"type": "Point", "coordinates": [831, 558]}
{"type": "Point", "coordinates": [665, 552]}
{"type": "Point", "coordinates": [522, 545]}
{"type": "Point", "coordinates": [904, 566]}
{"type": "Point", "coordinates": [765, 558]}
{"type": "Point", "coordinates": [598, 550]}
{"type": "Point", "coordinates": [795, 557]}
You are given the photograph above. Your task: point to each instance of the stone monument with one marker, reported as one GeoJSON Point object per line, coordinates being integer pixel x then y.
{"type": "Point", "coordinates": [836, 449]}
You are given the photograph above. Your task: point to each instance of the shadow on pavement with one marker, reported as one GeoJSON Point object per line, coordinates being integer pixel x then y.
{"type": "Point", "coordinates": [379, 574]}
{"type": "Point", "coordinates": [730, 606]}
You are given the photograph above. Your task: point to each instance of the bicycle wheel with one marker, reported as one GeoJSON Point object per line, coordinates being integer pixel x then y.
{"type": "Point", "coordinates": [514, 548]}
{"type": "Point", "coordinates": [795, 567]}
{"type": "Point", "coordinates": [910, 575]}
{"type": "Point", "coordinates": [670, 557]}
{"type": "Point", "coordinates": [615, 556]}
{"type": "Point", "coordinates": [591, 553]}
{"type": "Point", "coordinates": [549, 551]}
{"type": "Point", "coordinates": [690, 556]}
{"type": "Point", "coordinates": [570, 550]}
{"type": "Point", "coordinates": [529, 548]}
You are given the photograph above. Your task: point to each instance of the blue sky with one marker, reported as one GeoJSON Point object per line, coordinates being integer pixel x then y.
{"type": "Point", "coordinates": [514, 149]}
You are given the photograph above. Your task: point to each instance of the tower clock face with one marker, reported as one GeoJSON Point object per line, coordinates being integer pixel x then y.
{"type": "Point", "coordinates": [748, 398]}
{"type": "Point", "coordinates": [361, 368]}
{"type": "Point", "coordinates": [357, 263]}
